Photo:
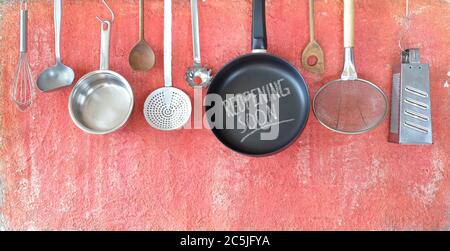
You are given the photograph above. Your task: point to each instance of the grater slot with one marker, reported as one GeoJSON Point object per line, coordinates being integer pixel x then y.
{"type": "Point", "coordinates": [416, 103]}
{"type": "Point", "coordinates": [417, 115]}
{"type": "Point", "coordinates": [416, 91]}
{"type": "Point", "coordinates": [416, 127]}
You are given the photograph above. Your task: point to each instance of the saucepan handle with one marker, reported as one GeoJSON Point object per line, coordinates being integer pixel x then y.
{"type": "Point", "coordinates": [104, 45]}
{"type": "Point", "coordinates": [259, 35]}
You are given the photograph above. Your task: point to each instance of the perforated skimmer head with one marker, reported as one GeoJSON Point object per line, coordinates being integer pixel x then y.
{"type": "Point", "coordinates": [350, 106]}
{"type": "Point", "coordinates": [167, 108]}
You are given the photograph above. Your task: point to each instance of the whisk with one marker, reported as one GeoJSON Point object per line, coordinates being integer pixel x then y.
{"type": "Point", "coordinates": [22, 92]}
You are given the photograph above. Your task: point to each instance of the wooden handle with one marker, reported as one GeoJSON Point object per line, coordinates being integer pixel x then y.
{"type": "Point", "coordinates": [141, 20]}
{"type": "Point", "coordinates": [349, 23]}
{"type": "Point", "coordinates": [311, 21]}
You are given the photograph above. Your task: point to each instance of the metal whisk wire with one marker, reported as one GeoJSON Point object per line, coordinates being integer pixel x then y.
{"type": "Point", "coordinates": [22, 92]}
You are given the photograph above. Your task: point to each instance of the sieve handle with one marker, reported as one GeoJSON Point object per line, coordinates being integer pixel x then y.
{"type": "Point", "coordinates": [349, 23]}
{"type": "Point", "coordinates": [104, 45]}
{"type": "Point", "coordinates": [168, 43]}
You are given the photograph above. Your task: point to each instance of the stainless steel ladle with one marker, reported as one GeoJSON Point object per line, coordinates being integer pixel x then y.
{"type": "Point", "coordinates": [197, 75]}
{"type": "Point", "coordinates": [59, 75]}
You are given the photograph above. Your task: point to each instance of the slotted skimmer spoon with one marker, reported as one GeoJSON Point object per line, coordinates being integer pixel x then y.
{"type": "Point", "coordinates": [59, 75]}
{"type": "Point", "coordinates": [350, 105]}
{"type": "Point", "coordinates": [197, 75]}
{"type": "Point", "coordinates": [167, 108]}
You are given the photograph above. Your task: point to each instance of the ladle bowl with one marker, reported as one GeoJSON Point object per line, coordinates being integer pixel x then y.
{"type": "Point", "coordinates": [55, 77]}
{"type": "Point", "coordinates": [59, 75]}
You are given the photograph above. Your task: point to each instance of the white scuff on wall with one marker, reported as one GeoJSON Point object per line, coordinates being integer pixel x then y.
{"type": "Point", "coordinates": [3, 222]}
{"type": "Point", "coordinates": [446, 85]}
{"type": "Point", "coordinates": [2, 192]}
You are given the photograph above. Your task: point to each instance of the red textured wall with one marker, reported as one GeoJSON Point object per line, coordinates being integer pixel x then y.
{"type": "Point", "coordinates": [54, 176]}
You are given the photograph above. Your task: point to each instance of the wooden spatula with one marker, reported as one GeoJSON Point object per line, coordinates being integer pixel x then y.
{"type": "Point", "coordinates": [312, 57]}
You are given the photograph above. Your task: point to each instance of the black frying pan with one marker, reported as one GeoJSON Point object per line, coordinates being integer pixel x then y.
{"type": "Point", "coordinates": [269, 103]}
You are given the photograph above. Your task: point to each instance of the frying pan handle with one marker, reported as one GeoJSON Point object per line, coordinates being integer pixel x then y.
{"type": "Point", "coordinates": [259, 35]}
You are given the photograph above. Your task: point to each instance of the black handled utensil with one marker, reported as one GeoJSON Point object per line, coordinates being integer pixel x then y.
{"type": "Point", "coordinates": [258, 104]}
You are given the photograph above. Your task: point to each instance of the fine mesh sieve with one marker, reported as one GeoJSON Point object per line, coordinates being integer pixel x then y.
{"type": "Point", "coordinates": [167, 108]}
{"type": "Point", "coordinates": [350, 105]}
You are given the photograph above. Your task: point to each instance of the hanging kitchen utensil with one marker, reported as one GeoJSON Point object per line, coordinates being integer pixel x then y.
{"type": "Point", "coordinates": [22, 92]}
{"type": "Point", "coordinates": [263, 100]}
{"type": "Point", "coordinates": [197, 75]}
{"type": "Point", "coordinates": [167, 108]}
{"type": "Point", "coordinates": [101, 101]}
{"type": "Point", "coordinates": [142, 57]}
{"type": "Point", "coordinates": [59, 75]}
{"type": "Point", "coordinates": [312, 57]}
{"type": "Point", "coordinates": [411, 103]}
{"type": "Point", "coordinates": [350, 105]}
{"type": "Point", "coordinates": [405, 27]}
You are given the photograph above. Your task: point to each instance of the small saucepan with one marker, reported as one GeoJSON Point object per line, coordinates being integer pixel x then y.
{"type": "Point", "coordinates": [102, 101]}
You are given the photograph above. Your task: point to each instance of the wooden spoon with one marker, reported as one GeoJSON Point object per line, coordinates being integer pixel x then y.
{"type": "Point", "coordinates": [142, 57]}
{"type": "Point", "coordinates": [312, 57]}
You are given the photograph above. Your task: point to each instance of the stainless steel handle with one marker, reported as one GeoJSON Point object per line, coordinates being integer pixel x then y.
{"type": "Point", "coordinates": [349, 71]}
{"type": "Point", "coordinates": [195, 32]}
{"type": "Point", "coordinates": [167, 43]}
{"type": "Point", "coordinates": [104, 45]}
{"type": "Point", "coordinates": [57, 10]}
{"type": "Point", "coordinates": [23, 30]}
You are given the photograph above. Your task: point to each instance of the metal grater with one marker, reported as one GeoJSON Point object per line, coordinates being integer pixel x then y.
{"type": "Point", "coordinates": [411, 105]}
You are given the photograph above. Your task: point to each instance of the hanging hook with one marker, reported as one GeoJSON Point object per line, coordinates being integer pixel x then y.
{"type": "Point", "coordinates": [406, 26]}
{"type": "Point", "coordinates": [110, 10]}
{"type": "Point", "coordinates": [407, 9]}
{"type": "Point", "coordinates": [24, 5]}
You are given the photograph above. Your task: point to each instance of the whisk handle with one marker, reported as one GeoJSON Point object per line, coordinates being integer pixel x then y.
{"type": "Point", "coordinates": [23, 30]}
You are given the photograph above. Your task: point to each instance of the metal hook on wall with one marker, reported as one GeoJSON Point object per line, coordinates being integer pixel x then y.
{"type": "Point", "coordinates": [24, 5]}
{"type": "Point", "coordinates": [406, 26]}
{"type": "Point", "coordinates": [110, 10]}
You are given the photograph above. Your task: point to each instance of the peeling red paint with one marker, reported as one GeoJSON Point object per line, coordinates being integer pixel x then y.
{"type": "Point", "coordinates": [53, 176]}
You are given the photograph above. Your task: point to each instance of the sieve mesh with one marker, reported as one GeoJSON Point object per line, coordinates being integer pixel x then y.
{"type": "Point", "coordinates": [353, 106]}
